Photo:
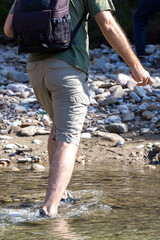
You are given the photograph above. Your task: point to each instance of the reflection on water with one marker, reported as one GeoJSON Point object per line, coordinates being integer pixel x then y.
{"type": "Point", "coordinates": [112, 203]}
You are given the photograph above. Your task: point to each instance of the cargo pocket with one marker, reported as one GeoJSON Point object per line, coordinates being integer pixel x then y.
{"type": "Point", "coordinates": [80, 98]}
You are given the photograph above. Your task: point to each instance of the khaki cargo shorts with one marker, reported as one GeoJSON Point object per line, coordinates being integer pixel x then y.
{"type": "Point", "coordinates": [63, 92]}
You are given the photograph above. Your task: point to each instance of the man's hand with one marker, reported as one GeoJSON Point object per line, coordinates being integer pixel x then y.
{"type": "Point", "coordinates": [141, 76]}
{"type": "Point", "coordinates": [117, 39]}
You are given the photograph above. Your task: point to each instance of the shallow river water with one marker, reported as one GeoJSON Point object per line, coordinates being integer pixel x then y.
{"type": "Point", "coordinates": [113, 202]}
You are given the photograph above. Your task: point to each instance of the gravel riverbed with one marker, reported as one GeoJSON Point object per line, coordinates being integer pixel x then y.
{"type": "Point", "coordinates": [122, 124]}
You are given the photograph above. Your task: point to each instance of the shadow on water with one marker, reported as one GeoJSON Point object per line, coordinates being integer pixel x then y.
{"type": "Point", "coordinates": [113, 202]}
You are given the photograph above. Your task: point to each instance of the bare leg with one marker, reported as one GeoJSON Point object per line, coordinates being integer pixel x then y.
{"type": "Point", "coordinates": [52, 145]}
{"type": "Point", "coordinates": [61, 169]}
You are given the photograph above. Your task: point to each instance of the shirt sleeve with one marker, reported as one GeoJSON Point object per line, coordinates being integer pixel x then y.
{"type": "Point", "coordinates": [96, 6]}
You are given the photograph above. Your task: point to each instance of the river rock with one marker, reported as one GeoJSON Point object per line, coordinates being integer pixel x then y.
{"type": "Point", "coordinates": [144, 130]}
{"type": "Point", "coordinates": [16, 87]}
{"type": "Point", "coordinates": [135, 96]}
{"type": "Point", "coordinates": [99, 91]}
{"type": "Point", "coordinates": [37, 141]}
{"type": "Point", "coordinates": [123, 108]}
{"type": "Point", "coordinates": [15, 129]}
{"type": "Point", "coordinates": [150, 48]}
{"type": "Point", "coordinates": [4, 137]}
{"type": "Point", "coordinates": [111, 137]}
{"type": "Point", "coordinates": [113, 119]}
{"type": "Point", "coordinates": [140, 91]}
{"type": "Point", "coordinates": [20, 109]}
{"type": "Point", "coordinates": [108, 101]}
{"type": "Point", "coordinates": [42, 131]}
{"type": "Point", "coordinates": [24, 160]}
{"type": "Point", "coordinates": [118, 128]}
{"type": "Point", "coordinates": [10, 146]}
{"type": "Point", "coordinates": [152, 107]}
{"type": "Point", "coordinates": [17, 76]}
{"type": "Point", "coordinates": [99, 62]}
{"type": "Point", "coordinates": [148, 115]}
{"type": "Point", "coordinates": [29, 131]}
{"type": "Point", "coordinates": [37, 167]}
{"type": "Point", "coordinates": [118, 92]}
{"type": "Point", "coordinates": [157, 147]}
{"type": "Point", "coordinates": [5, 162]}
{"type": "Point", "coordinates": [131, 84]}
{"type": "Point", "coordinates": [123, 79]}
{"type": "Point", "coordinates": [115, 57]}
{"type": "Point", "coordinates": [25, 94]}
{"type": "Point", "coordinates": [128, 117]}
{"type": "Point", "coordinates": [86, 135]}
{"type": "Point", "coordinates": [100, 97]}
{"type": "Point", "coordinates": [15, 169]}
{"type": "Point", "coordinates": [150, 167]}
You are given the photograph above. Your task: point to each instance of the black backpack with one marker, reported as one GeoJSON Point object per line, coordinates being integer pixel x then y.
{"type": "Point", "coordinates": [41, 25]}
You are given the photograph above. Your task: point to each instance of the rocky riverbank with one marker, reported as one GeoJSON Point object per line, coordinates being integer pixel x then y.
{"type": "Point", "coordinates": [122, 123]}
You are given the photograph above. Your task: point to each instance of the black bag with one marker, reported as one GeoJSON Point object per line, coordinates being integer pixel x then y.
{"type": "Point", "coordinates": [41, 25]}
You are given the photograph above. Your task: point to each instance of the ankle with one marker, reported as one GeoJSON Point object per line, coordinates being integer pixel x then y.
{"type": "Point", "coordinates": [50, 211]}
{"type": "Point", "coordinates": [65, 195]}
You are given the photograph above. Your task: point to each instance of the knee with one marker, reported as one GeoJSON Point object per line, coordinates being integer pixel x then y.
{"type": "Point", "coordinates": [67, 149]}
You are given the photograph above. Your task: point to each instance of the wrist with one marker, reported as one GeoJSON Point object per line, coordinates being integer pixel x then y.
{"type": "Point", "coordinates": [134, 62]}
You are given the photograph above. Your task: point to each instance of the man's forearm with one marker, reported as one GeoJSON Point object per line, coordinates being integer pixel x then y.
{"type": "Point", "coordinates": [116, 38]}
{"type": "Point", "coordinates": [8, 26]}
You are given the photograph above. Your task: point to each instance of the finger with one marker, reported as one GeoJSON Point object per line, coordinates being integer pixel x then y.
{"type": "Point", "coordinates": [133, 76]}
{"type": "Point", "coordinates": [140, 84]}
{"type": "Point", "coordinates": [149, 81]}
{"type": "Point", "coordinates": [145, 82]}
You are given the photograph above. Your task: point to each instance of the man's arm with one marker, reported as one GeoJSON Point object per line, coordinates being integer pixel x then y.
{"type": "Point", "coordinates": [117, 39]}
{"type": "Point", "coordinates": [8, 26]}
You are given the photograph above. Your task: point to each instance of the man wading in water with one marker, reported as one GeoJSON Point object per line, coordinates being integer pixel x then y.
{"type": "Point", "coordinates": [59, 81]}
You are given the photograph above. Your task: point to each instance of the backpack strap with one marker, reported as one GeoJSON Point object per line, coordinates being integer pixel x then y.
{"type": "Point", "coordinates": [74, 32]}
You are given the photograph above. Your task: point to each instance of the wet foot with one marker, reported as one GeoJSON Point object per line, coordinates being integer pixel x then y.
{"type": "Point", "coordinates": [43, 214]}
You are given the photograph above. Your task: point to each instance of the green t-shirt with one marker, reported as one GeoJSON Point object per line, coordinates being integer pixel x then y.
{"type": "Point", "coordinates": [78, 54]}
